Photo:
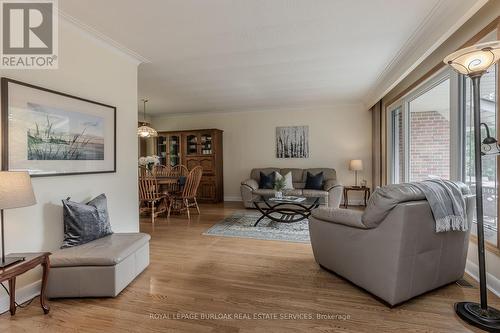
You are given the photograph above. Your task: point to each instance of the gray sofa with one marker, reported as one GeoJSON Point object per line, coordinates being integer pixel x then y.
{"type": "Point", "coordinates": [331, 192]}
{"type": "Point", "coordinates": [400, 258]}
{"type": "Point", "coordinates": [101, 268]}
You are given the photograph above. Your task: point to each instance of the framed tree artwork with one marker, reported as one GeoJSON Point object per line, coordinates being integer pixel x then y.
{"type": "Point", "coordinates": [49, 133]}
{"type": "Point", "coordinates": [292, 142]}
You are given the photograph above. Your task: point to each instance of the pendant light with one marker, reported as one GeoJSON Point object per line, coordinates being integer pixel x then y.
{"type": "Point", "coordinates": [144, 130]}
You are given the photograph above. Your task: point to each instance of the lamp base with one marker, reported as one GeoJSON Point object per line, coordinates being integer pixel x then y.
{"type": "Point", "coordinates": [10, 261]}
{"type": "Point", "coordinates": [488, 320]}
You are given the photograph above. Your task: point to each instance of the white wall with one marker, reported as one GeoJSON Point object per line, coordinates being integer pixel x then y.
{"type": "Point", "coordinates": [336, 135]}
{"type": "Point", "coordinates": [89, 69]}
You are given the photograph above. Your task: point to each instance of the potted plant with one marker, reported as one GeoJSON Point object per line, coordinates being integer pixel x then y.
{"type": "Point", "coordinates": [279, 186]}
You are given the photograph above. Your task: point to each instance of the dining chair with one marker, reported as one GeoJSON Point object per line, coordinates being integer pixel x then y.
{"type": "Point", "coordinates": [150, 200]}
{"type": "Point", "coordinates": [187, 198]}
{"type": "Point", "coordinates": [162, 170]}
{"type": "Point", "coordinates": [143, 172]}
{"type": "Point", "coordinates": [180, 170]}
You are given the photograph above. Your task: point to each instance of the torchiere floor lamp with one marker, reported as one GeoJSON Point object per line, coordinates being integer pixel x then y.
{"type": "Point", "coordinates": [473, 62]}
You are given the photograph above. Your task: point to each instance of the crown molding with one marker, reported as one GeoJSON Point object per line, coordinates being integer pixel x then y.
{"type": "Point", "coordinates": [270, 108]}
{"type": "Point", "coordinates": [421, 44]}
{"type": "Point", "coordinates": [100, 37]}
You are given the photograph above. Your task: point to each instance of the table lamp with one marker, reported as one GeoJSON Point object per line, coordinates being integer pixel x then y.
{"type": "Point", "coordinates": [473, 62]}
{"type": "Point", "coordinates": [15, 192]}
{"type": "Point", "coordinates": [356, 165]}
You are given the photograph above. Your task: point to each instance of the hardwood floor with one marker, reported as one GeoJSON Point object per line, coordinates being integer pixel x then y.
{"type": "Point", "coordinates": [191, 275]}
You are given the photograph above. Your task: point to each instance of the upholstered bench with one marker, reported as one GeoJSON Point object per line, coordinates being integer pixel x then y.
{"type": "Point", "coordinates": [100, 268]}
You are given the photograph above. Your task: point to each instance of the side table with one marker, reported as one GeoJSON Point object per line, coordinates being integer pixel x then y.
{"type": "Point", "coordinates": [365, 190]}
{"type": "Point", "coordinates": [31, 261]}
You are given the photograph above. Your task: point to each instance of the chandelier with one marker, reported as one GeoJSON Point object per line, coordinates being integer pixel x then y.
{"type": "Point", "coordinates": [144, 130]}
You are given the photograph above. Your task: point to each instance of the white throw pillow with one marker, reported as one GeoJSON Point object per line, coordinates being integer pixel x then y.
{"type": "Point", "coordinates": [288, 180]}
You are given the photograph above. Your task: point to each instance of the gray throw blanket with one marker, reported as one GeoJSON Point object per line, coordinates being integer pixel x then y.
{"type": "Point", "coordinates": [447, 204]}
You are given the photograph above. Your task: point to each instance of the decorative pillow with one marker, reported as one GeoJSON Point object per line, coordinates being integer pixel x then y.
{"type": "Point", "coordinates": [314, 182]}
{"type": "Point", "coordinates": [288, 180]}
{"type": "Point", "coordinates": [267, 181]}
{"type": "Point", "coordinates": [85, 222]}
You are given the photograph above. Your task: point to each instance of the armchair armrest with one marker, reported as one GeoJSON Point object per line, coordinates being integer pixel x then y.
{"type": "Point", "coordinates": [330, 183]}
{"type": "Point", "coordinates": [252, 183]}
{"type": "Point", "coordinates": [347, 217]}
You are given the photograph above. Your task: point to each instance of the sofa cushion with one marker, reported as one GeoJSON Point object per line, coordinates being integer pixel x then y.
{"type": "Point", "coordinates": [288, 179]}
{"type": "Point", "coordinates": [106, 251]}
{"type": "Point", "coordinates": [314, 182]}
{"type": "Point", "coordinates": [299, 185]}
{"type": "Point", "coordinates": [262, 191]}
{"type": "Point", "coordinates": [314, 193]}
{"type": "Point", "coordinates": [267, 181]}
{"type": "Point", "coordinates": [85, 222]}
{"type": "Point", "coordinates": [294, 192]}
{"type": "Point", "coordinates": [255, 173]}
{"type": "Point", "coordinates": [328, 173]}
{"type": "Point", "coordinates": [297, 174]}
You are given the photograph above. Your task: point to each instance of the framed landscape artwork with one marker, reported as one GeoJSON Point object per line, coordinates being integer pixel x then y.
{"type": "Point", "coordinates": [49, 133]}
{"type": "Point", "coordinates": [292, 142]}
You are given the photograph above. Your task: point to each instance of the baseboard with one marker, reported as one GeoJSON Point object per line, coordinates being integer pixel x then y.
{"type": "Point", "coordinates": [232, 198]}
{"type": "Point", "coordinates": [23, 294]}
{"type": "Point", "coordinates": [493, 283]}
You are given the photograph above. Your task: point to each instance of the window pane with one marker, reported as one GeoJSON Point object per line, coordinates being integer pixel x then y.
{"type": "Point", "coordinates": [429, 118]}
{"type": "Point", "coordinates": [488, 116]}
{"type": "Point", "coordinates": [398, 147]}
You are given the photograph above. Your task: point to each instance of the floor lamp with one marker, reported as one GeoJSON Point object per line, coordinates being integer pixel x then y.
{"type": "Point", "coordinates": [473, 62]}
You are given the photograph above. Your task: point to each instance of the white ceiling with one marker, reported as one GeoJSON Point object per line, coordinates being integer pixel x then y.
{"type": "Point", "coordinates": [226, 55]}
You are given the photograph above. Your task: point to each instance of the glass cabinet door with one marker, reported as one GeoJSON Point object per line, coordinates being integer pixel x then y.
{"type": "Point", "coordinates": [206, 143]}
{"type": "Point", "coordinates": [174, 146]}
{"type": "Point", "coordinates": [191, 144]}
{"type": "Point", "coordinates": [161, 148]}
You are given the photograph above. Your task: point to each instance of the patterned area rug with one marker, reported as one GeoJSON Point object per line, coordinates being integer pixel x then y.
{"type": "Point", "coordinates": [240, 224]}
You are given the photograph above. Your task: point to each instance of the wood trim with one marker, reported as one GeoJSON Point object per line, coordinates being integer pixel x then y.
{"type": "Point", "coordinates": [477, 37]}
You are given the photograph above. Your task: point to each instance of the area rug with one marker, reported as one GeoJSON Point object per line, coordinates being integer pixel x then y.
{"type": "Point", "coordinates": [240, 224]}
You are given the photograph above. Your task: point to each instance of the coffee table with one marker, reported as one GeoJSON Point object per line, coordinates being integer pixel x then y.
{"type": "Point", "coordinates": [284, 210]}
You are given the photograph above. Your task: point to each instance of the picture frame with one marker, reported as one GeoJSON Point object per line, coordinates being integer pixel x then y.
{"type": "Point", "coordinates": [292, 141]}
{"type": "Point", "coordinates": [51, 133]}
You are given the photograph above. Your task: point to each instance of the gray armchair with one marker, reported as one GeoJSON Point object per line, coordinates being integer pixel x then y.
{"type": "Point", "coordinates": [397, 259]}
{"type": "Point", "coordinates": [331, 192]}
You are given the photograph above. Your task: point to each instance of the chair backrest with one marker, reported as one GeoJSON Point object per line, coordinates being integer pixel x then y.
{"type": "Point", "coordinates": [162, 170]}
{"type": "Point", "coordinates": [143, 172]}
{"type": "Point", "coordinates": [148, 188]}
{"type": "Point", "coordinates": [192, 182]}
{"type": "Point", "coordinates": [179, 171]}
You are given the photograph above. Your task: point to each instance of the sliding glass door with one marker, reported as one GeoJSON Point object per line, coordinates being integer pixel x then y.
{"type": "Point", "coordinates": [420, 133]}
{"type": "Point", "coordinates": [429, 133]}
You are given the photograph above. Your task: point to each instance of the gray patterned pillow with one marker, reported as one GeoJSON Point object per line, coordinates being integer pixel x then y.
{"type": "Point", "coordinates": [85, 222]}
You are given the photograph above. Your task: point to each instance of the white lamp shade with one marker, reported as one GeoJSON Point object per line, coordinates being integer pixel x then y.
{"type": "Point", "coordinates": [356, 165]}
{"type": "Point", "coordinates": [145, 131]}
{"type": "Point", "coordinates": [16, 190]}
{"type": "Point", "coordinates": [474, 59]}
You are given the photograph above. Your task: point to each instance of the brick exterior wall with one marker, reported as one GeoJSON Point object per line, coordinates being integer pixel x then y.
{"type": "Point", "coordinates": [429, 145]}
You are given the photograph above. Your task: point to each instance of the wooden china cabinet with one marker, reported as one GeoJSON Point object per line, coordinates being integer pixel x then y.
{"type": "Point", "coordinates": [192, 148]}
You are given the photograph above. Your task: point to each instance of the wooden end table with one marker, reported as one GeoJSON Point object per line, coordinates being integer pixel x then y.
{"type": "Point", "coordinates": [31, 261]}
{"type": "Point", "coordinates": [364, 189]}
